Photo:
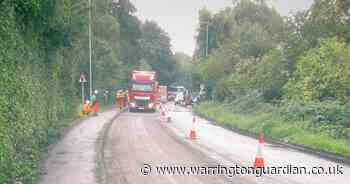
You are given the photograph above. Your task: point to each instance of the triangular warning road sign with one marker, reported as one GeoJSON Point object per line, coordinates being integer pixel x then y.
{"type": "Point", "coordinates": [82, 78]}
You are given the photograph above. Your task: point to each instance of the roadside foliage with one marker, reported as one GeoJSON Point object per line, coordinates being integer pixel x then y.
{"type": "Point", "coordinates": [43, 51]}
{"type": "Point", "coordinates": [292, 68]}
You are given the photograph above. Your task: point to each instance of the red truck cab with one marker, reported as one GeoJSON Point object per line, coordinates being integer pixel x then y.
{"type": "Point", "coordinates": [143, 91]}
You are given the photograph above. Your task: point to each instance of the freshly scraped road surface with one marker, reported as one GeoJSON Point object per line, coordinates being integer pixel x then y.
{"type": "Point", "coordinates": [73, 159]}
{"type": "Point", "coordinates": [136, 139]}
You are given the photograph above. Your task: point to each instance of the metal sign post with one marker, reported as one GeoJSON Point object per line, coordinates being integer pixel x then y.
{"type": "Point", "coordinates": [82, 81]}
{"type": "Point", "coordinates": [82, 93]}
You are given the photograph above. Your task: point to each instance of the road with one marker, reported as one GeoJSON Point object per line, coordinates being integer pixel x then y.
{"type": "Point", "coordinates": [73, 159]}
{"type": "Point", "coordinates": [136, 139]}
{"type": "Point", "coordinates": [230, 148]}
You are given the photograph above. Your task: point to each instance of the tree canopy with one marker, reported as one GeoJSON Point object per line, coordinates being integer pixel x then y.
{"type": "Point", "coordinates": [253, 48]}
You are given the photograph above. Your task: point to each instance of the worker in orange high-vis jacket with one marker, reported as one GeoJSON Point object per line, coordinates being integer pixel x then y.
{"type": "Point", "coordinates": [116, 99]}
{"type": "Point", "coordinates": [120, 99]}
{"type": "Point", "coordinates": [86, 108]}
{"type": "Point", "coordinates": [95, 105]}
{"type": "Point", "coordinates": [126, 97]}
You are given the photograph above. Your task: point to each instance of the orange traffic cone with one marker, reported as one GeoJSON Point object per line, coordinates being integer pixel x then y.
{"type": "Point", "coordinates": [193, 134]}
{"type": "Point", "coordinates": [259, 160]}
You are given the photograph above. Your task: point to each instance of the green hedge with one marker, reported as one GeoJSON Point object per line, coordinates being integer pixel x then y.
{"type": "Point", "coordinates": [37, 93]}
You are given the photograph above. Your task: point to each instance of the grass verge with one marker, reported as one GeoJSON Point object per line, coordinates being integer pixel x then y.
{"type": "Point", "coordinates": [274, 127]}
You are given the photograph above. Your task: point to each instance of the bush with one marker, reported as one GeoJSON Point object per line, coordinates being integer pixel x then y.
{"type": "Point", "coordinates": [251, 103]}
{"type": "Point", "coordinates": [322, 73]}
{"type": "Point", "coordinates": [331, 117]}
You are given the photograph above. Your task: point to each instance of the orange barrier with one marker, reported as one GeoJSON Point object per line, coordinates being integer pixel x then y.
{"type": "Point", "coordinates": [259, 160]}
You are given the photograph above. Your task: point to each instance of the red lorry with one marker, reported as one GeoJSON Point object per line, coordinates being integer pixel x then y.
{"type": "Point", "coordinates": [143, 90]}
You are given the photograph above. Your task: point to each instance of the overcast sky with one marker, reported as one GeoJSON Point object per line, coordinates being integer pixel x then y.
{"type": "Point", "coordinates": [180, 17]}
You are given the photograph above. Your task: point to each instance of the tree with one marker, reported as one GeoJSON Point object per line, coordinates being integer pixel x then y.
{"type": "Point", "coordinates": [327, 19]}
{"type": "Point", "coordinates": [203, 31]}
{"type": "Point", "coordinates": [130, 31]}
{"type": "Point", "coordinates": [322, 73]}
{"type": "Point", "coordinates": [246, 33]}
{"type": "Point", "coordinates": [184, 69]}
{"type": "Point", "coordinates": [155, 47]}
{"type": "Point", "coordinates": [272, 74]}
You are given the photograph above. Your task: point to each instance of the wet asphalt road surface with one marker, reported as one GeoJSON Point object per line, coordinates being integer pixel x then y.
{"type": "Point", "coordinates": [136, 139]}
